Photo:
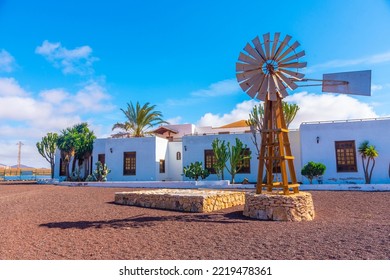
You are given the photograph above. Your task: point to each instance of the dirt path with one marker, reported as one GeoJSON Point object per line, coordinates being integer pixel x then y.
{"type": "Point", "coordinates": [52, 222]}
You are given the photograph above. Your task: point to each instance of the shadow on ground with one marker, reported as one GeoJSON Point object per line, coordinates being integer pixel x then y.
{"type": "Point", "coordinates": [149, 221]}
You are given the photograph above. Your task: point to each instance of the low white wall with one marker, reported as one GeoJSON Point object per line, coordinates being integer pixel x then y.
{"type": "Point", "coordinates": [151, 184]}
{"type": "Point", "coordinates": [217, 185]}
{"type": "Point", "coordinates": [345, 187]}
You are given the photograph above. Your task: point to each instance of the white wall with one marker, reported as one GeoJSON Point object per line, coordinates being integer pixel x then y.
{"type": "Point", "coordinates": [161, 149]}
{"type": "Point", "coordinates": [57, 166]}
{"type": "Point", "coordinates": [196, 145]}
{"type": "Point", "coordinates": [146, 165]}
{"type": "Point", "coordinates": [174, 166]}
{"type": "Point", "coordinates": [377, 132]}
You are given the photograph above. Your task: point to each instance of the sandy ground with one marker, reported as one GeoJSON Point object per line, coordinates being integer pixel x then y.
{"type": "Point", "coordinates": [42, 222]}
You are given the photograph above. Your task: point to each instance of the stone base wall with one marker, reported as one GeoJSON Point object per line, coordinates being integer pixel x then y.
{"type": "Point", "coordinates": [269, 206]}
{"type": "Point", "coordinates": [182, 200]}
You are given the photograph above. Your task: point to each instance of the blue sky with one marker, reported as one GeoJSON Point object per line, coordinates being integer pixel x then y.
{"type": "Point", "coordinates": [63, 62]}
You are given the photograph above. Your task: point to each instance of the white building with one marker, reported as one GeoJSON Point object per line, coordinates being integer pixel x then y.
{"type": "Point", "coordinates": [163, 156]}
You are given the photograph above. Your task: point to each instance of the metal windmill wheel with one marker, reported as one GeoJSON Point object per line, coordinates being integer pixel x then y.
{"type": "Point", "coordinates": [265, 71]}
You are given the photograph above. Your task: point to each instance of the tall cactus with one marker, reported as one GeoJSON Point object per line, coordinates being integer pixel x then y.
{"type": "Point", "coordinates": [47, 148]}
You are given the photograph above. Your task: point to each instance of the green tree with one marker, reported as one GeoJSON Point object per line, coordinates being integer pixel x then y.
{"type": "Point", "coordinates": [195, 170]}
{"type": "Point", "coordinates": [255, 122]}
{"type": "Point", "coordinates": [256, 118]}
{"type": "Point", "coordinates": [76, 143]}
{"type": "Point", "coordinates": [66, 144]}
{"type": "Point", "coordinates": [368, 154]}
{"type": "Point", "coordinates": [83, 147]}
{"type": "Point", "coordinates": [47, 148]}
{"type": "Point", "coordinates": [290, 111]}
{"type": "Point", "coordinates": [221, 155]}
{"type": "Point", "coordinates": [236, 156]}
{"type": "Point", "coordinates": [313, 170]}
{"type": "Point", "coordinates": [138, 120]}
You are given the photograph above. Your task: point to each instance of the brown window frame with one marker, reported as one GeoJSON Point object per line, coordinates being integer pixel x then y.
{"type": "Point", "coordinates": [246, 163]}
{"type": "Point", "coordinates": [102, 158]}
{"type": "Point", "coordinates": [62, 167]}
{"type": "Point", "coordinates": [209, 161]}
{"type": "Point", "coordinates": [129, 163]}
{"type": "Point", "coordinates": [346, 156]}
{"type": "Point", "coordinates": [162, 165]}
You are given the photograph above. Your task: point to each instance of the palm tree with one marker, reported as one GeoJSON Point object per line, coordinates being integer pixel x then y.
{"type": "Point", "coordinates": [139, 119]}
{"type": "Point", "coordinates": [368, 154]}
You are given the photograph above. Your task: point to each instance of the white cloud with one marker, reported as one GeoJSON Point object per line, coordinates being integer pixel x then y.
{"type": "Point", "coordinates": [221, 88]}
{"type": "Point", "coordinates": [23, 108]}
{"type": "Point", "coordinates": [328, 107]}
{"type": "Point", "coordinates": [240, 112]}
{"type": "Point", "coordinates": [313, 107]}
{"type": "Point", "coordinates": [26, 117]}
{"type": "Point", "coordinates": [7, 61]}
{"type": "Point", "coordinates": [367, 60]}
{"type": "Point", "coordinates": [93, 98]}
{"type": "Point", "coordinates": [10, 87]}
{"type": "Point", "coordinates": [376, 87]}
{"type": "Point", "coordinates": [217, 89]}
{"type": "Point", "coordinates": [54, 96]}
{"type": "Point", "coordinates": [175, 120]}
{"type": "Point", "coordinates": [76, 61]}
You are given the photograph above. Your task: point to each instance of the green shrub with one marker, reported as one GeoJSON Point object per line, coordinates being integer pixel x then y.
{"type": "Point", "coordinates": [313, 170]}
{"type": "Point", "coordinates": [195, 170]}
{"type": "Point", "coordinates": [100, 173]}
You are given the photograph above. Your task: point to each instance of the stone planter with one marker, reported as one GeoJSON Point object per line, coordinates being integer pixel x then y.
{"type": "Point", "coordinates": [276, 207]}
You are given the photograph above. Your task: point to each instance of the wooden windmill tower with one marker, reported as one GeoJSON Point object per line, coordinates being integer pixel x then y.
{"type": "Point", "coordinates": [265, 71]}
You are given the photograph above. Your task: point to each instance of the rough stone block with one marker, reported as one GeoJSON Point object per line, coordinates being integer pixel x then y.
{"type": "Point", "coordinates": [276, 207]}
{"type": "Point", "coordinates": [182, 200]}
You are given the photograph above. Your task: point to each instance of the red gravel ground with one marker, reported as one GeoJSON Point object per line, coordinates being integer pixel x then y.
{"type": "Point", "coordinates": [42, 222]}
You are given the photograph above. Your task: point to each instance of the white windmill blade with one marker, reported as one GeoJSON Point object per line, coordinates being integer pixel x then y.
{"type": "Point", "coordinates": [280, 87]}
{"type": "Point", "coordinates": [275, 44]}
{"type": "Point", "coordinates": [293, 74]}
{"type": "Point", "coordinates": [282, 46]}
{"type": "Point", "coordinates": [267, 41]}
{"type": "Point", "coordinates": [257, 82]}
{"type": "Point", "coordinates": [356, 82]}
{"type": "Point", "coordinates": [259, 48]}
{"type": "Point", "coordinates": [246, 85]}
{"type": "Point", "coordinates": [288, 51]}
{"type": "Point", "coordinates": [263, 90]}
{"type": "Point", "coordinates": [295, 56]}
{"type": "Point", "coordinates": [246, 58]}
{"type": "Point", "coordinates": [272, 89]}
{"type": "Point", "coordinates": [286, 81]}
{"type": "Point", "coordinates": [293, 65]}
{"type": "Point", "coordinates": [241, 67]}
{"type": "Point", "coordinates": [246, 75]}
{"type": "Point", "coordinates": [250, 50]}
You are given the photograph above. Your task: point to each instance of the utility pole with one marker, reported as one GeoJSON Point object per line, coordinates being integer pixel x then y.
{"type": "Point", "coordinates": [19, 153]}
